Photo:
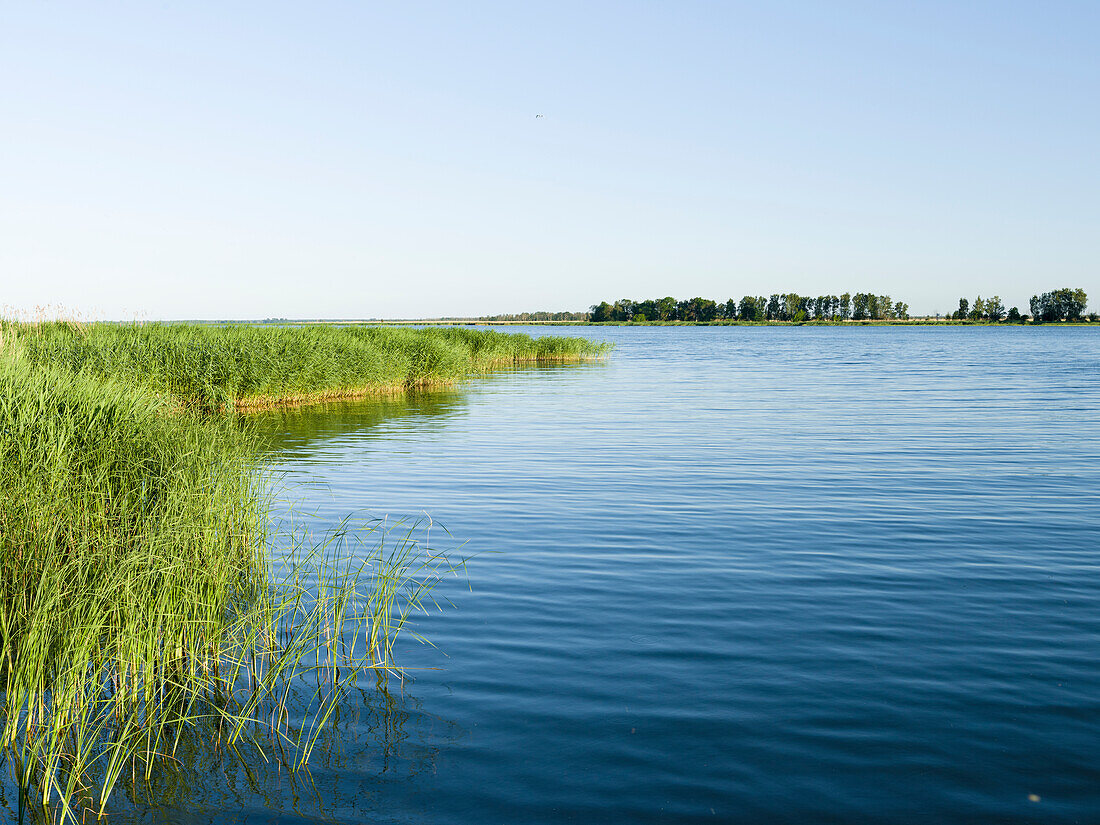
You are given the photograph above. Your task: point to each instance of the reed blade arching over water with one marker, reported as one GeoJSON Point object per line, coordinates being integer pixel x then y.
{"type": "Point", "coordinates": [138, 603]}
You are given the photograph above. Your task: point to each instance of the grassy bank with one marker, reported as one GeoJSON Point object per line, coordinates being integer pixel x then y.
{"type": "Point", "coordinates": [211, 367]}
{"type": "Point", "coordinates": [139, 609]}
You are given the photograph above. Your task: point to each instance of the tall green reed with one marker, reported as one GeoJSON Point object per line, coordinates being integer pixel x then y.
{"type": "Point", "coordinates": [138, 606]}
{"type": "Point", "coordinates": [209, 367]}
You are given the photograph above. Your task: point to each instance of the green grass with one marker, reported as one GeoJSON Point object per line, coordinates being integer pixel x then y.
{"type": "Point", "coordinates": [215, 367]}
{"type": "Point", "coordinates": [131, 539]}
{"type": "Point", "coordinates": [140, 612]}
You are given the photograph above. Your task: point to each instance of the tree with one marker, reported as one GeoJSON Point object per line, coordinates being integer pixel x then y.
{"type": "Point", "coordinates": [774, 310]}
{"type": "Point", "coordinates": [751, 309]}
{"type": "Point", "coordinates": [884, 308]}
{"type": "Point", "coordinates": [703, 310]}
{"type": "Point", "coordinates": [994, 309]}
{"type": "Point", "coordinates": [792, 306]}
{"type": "Point", "coordinates": [861, 306]}
{"type": "Point", "coordinates": [977, 312]}
{"type": "Point", "coordinates": [601, 312]}
{"type": "Point", "coordinates": [623, 310]}
{"type": "Point", "coordinates": [1060, 305]}
{"type": "Point", "coordinates": [1014, 316]}
{"type": "Point", "coordinates": [845, 306]}
{"type": "Point", "coordinates": [964, 310]}
{"type": "Point", "coordinates": [1076, 304]}
{"type": "Point", "coordinates": [901, 311]}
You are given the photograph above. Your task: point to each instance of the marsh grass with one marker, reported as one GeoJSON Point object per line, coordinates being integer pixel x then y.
{"type": "Point", "coordinates": [207, 368]}
{"type": "Point", "coordinates": [138, 605]}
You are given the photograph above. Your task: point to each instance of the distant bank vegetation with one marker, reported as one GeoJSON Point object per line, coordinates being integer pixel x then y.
{"type": "Point", "coordinates": [1061, 305]}
{"type": "Point", "coordinates": [788, 307]}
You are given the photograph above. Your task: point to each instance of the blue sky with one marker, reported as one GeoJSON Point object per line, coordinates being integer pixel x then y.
{"type": "Point", "coordinates": [212, 160]}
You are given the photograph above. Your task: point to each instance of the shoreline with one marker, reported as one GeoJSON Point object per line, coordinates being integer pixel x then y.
{"type": "Point", "coordinates": [255, 404]}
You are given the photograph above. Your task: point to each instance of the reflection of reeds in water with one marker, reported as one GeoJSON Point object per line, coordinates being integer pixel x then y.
{"type": "Point", "coordinates": [330, 709]}
{"type": "Point", "coordinates": [138, 609]}
{"type": "Point", "coordinates": [288, 429]}
{"type": "Point", "coordinates": [377, 733]}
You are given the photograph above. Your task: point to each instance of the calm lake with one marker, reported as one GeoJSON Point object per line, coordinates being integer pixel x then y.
{"type": "Point", "coordinates": [728, 575]}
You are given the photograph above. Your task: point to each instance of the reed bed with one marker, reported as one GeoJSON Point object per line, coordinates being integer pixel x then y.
{"type": "Point", "coordinates": [142, 616]}
{"type": "Point", "coordinates": [209, 368]}
{"type": "Point", "coordinates": [139, 607]}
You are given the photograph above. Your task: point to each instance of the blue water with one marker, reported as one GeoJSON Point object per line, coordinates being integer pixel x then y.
{"type": "Point", "coordinates": [734, 575]}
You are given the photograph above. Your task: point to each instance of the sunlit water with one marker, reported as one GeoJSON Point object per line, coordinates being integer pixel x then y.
{"type": "Point", "coordinates": [730, 575]}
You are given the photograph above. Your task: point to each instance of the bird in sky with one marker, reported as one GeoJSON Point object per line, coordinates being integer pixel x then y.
{"type": "Point", "coordinates": [538, 116]}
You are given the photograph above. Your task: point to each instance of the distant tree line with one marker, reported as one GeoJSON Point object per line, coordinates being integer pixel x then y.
{"type": "Point", "coordinates": [540, 316]}
{"type": "Point", "coordinates": [988, 309]}
{"type": "Point", "coordinates": [862, 306]}
{"type": "Point", "coordinates": [1060, 305]}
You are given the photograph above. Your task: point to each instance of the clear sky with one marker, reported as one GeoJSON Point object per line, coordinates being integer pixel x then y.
{"type": "Point", "coordinates": [209, 160]}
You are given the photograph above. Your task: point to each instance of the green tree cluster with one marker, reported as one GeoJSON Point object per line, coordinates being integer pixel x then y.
{"type": "Point", "coordinates": [659, 309]}
{"type": "Point", "coordinates": [869, 307]}
{"type": "Point", "coordinates": [778, 307]}
{"type": "Point", "coordinates": [1060, 305]}
{"type": "Point", "coordinates": [986, 309]}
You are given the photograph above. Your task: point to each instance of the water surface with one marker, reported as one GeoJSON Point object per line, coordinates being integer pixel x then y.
{"type": "Point", "coordinates": [733, 575]}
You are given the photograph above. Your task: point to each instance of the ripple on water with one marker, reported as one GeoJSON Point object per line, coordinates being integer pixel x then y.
{"type": "Point", "coordinates": [743, 575]}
